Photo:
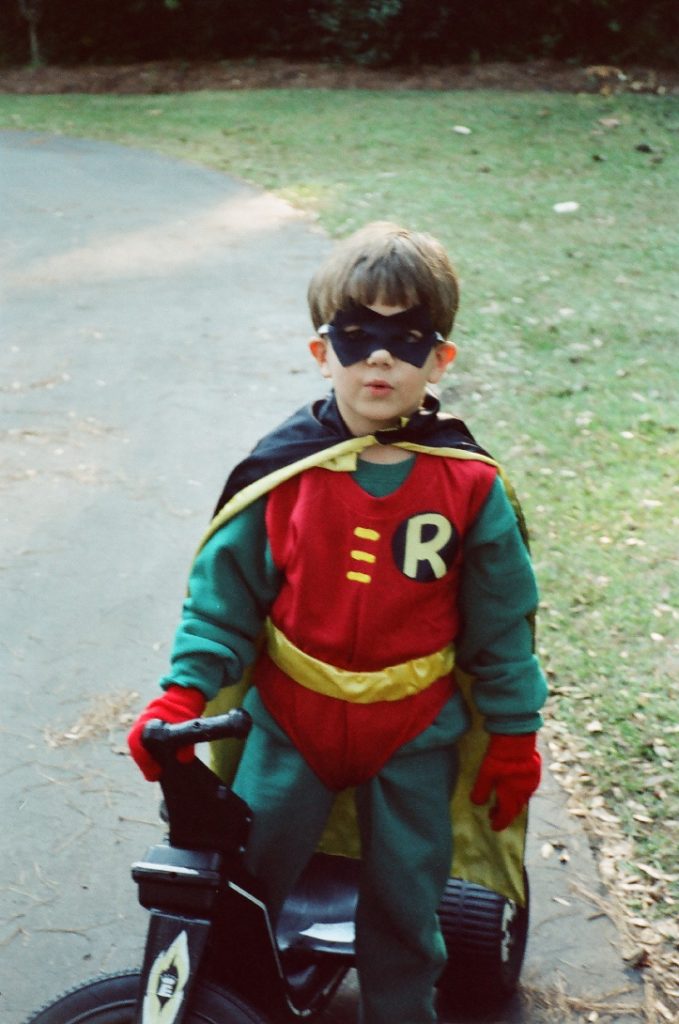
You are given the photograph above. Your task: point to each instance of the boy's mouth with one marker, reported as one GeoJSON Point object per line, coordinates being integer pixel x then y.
{"type": "Point", "coordinates": [379, 387]}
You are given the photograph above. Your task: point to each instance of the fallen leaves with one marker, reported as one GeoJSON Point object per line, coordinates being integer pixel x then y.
{"type": "Point", "coordinates": [606, 77]}
{"type": "Point", "coordinates": [554, 1005]}
{"type": "Point", "coordinates": [548, 850]}
{"type": "Point", "coordinates": [658, 876]}
{"type": "Point", "coordinates": [104, 714]}
{"type": "Point", "coordinates": [639, 891]}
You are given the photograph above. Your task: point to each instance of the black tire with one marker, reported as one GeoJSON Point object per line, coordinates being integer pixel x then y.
{"type": "Point", "coordinates": [485, 936]}
{"type": "Point", "coordinates": [111, 999]}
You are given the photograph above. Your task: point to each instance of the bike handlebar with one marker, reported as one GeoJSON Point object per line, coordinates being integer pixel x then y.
{"type": "Point", "coordinates": [162, 739]}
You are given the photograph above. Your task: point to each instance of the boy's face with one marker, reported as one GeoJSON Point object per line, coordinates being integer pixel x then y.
{"type": "Point", "coordinates": [377, 390]}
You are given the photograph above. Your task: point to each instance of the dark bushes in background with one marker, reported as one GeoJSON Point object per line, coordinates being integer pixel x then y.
{"type": "Point", "coordinates": [369, 32]}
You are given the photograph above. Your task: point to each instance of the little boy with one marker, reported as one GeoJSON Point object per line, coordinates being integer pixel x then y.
{"type": "Point", "coordinates": [371, 543]}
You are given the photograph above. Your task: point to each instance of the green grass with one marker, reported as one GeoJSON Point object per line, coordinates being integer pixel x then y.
{"type": "Point", "coordinates": [568, 366]}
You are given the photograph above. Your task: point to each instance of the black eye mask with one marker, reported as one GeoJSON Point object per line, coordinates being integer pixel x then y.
{"type": "Point", "coordinates": [357, 332]}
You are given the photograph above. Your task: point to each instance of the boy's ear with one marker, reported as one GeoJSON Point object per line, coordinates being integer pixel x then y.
{"type": "Point", "coordinates": [444, 354]}
{"type": "Point", "coordinates": [319, 350]}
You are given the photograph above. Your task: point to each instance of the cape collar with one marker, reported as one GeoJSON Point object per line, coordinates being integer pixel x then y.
{"type": "Point", "coordinates": [427, 421]}
{"type": "Point", "coordinates": [319, 426]}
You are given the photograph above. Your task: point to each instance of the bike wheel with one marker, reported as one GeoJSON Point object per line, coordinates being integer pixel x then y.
{"type": "Point", "coordinates": [485, 936]}
{"type": "Point", "coordinates": [111, 999]}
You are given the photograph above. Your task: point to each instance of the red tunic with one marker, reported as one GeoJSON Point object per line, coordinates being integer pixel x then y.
{"type": "Point", "coordinates": [369, 583]}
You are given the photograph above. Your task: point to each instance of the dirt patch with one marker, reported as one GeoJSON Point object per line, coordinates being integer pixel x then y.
{"type": "Point", "coordinates": [170, 77]}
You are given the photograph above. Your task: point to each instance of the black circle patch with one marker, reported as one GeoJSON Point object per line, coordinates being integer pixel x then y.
{"type": "Point", "coordinates": [424, 546]}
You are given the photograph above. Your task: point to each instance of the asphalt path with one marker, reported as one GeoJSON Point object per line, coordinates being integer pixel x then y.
{"type": "Point", "coordinates": [153, 327]}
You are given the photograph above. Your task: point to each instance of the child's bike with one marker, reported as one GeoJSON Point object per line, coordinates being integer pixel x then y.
{"type": "Point", "coordinates": [213, 954]}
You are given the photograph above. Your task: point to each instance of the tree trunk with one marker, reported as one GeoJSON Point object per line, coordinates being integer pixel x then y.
{"type": "Point", "coordinates": [32, 10]}
{"type": "Point", "coordinates": [36, 55]}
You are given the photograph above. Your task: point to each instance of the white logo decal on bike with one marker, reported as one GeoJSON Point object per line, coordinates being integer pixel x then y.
{"type": "Point", "coordinates": [167, 981]}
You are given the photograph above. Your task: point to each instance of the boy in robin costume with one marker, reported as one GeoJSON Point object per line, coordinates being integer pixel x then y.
{"type": "Point", "coordinates": [362, 561]}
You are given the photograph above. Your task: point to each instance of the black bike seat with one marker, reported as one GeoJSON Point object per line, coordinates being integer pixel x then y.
{"type": "Point", "coordinates": [318, 916]}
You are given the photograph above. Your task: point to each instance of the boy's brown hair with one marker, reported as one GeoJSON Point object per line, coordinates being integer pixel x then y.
{"type": "Point", "coordinates": [385, 263]}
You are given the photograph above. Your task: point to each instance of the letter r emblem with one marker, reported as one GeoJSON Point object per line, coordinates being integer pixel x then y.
{"type": "Point", "coordinates": [424, 546]}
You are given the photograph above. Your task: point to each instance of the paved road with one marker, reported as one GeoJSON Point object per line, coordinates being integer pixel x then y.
{"type": "Point", "coordinates": [153, 327]}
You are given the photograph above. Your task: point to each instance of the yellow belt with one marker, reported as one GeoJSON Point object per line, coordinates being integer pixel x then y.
{"type": "Point", "coordinates": [391, 683]}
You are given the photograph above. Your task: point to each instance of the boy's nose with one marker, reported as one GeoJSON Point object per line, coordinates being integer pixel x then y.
{"type": "Point", "coordinates": [381, 355]}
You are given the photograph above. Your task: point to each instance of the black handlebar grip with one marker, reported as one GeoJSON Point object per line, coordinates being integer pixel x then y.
{"type": "Point", "coordinates": [162, 739]}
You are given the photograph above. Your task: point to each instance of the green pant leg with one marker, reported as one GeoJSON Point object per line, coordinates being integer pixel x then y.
{"type": "Point", "coordinates": [404, 815]}
{"type": "Point", "coordinates": [289, 803]}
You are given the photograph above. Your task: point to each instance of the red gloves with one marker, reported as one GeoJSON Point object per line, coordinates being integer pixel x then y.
{"type": "Point", "coordinates": [178, 704]}
{"type": "Point", "coordinates": [511, 767]}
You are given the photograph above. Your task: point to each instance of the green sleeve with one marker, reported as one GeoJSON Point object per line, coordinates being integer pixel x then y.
{"type": "Point", "coordinates": [232, 585]}
{"type": "Point", "coordinates": [498, 598]}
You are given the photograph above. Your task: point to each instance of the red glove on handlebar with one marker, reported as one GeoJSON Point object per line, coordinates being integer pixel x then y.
{"type": "Point", "coordinates": [511, 767]}
{"type": "Point", "coordinates": [178, 704]}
